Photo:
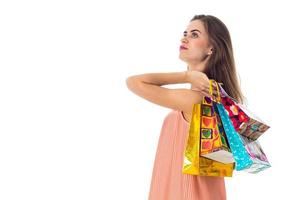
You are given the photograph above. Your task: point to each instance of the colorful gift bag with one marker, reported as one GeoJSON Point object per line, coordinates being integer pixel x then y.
{"type": "Point", "coordinates": [213, 140]}
{"type": "Point", "coordinates": [240, 155]}
{"type": "Point", "coordinates": [193, 162]}
{"type": "Point", "coordinates": [257, 155]}
{"type": "Point", "coordinates": [244, 122]}
{"type": "Point", "coordinates": [247, 153]}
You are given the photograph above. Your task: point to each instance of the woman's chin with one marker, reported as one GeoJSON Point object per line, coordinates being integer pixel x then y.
{"type": "Point", "coordinates": [182, 58]}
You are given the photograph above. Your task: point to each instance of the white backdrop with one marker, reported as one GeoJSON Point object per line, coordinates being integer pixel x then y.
{"type": "Point", "coordinates": [70, 128]}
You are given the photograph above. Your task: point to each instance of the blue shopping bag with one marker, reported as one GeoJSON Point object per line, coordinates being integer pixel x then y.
{"type": "Point", "coordinates": [240, 154]}
{"type": "Point", "coordinates": [257, 155]}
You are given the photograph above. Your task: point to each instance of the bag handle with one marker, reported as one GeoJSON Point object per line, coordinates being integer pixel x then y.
{"type": "Point", "coordinates": [224, 93]}
{"type": "Point", "coordinates": [217, 97]}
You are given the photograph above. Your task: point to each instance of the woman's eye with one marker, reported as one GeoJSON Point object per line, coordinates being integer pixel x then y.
{"type": "Point", "coordinates": [194, 34]}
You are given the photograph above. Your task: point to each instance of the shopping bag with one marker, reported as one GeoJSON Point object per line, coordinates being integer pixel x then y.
{"type": "Point", "coordinates": [213, 140]}
{"type": "Point", "coordinates": [240, 155]}
{"type": "Point", "coordinates": [193, 162]}
{"type": "Point", "coordinates": [247, 153]}
{"type": "Point", "coordinates": [257, 155]}
{"type": "Point", "coordinates": [243, 120]}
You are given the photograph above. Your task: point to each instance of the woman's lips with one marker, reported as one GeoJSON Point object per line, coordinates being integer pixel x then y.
{"type": "Point", "coordinates": [182, 48]}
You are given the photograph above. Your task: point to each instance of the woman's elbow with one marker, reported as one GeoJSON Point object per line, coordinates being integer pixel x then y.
{"type": "Point", "coordinates": [131, 82]}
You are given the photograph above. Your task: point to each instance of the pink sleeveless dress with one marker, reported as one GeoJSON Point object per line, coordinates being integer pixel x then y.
{"type": "Point", "coordinates": [168, 182]}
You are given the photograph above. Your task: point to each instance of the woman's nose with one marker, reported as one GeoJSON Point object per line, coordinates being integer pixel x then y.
{"type": "Point", "coordinates": [184, 39]}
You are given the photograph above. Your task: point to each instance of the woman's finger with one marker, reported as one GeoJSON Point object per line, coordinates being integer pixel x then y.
{"type": "Point", "coordinates": [196, 89]}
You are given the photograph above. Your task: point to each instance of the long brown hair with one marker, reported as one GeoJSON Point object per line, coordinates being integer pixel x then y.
{"type": "Point", "coordinates": [221, 65]}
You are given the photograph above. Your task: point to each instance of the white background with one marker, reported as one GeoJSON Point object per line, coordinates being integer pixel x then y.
{"type": "Point", "coordinates": [70, 128]}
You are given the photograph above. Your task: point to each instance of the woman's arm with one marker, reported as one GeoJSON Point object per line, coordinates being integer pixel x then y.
{"type": "Point", "coordinates": [148, 86]}
{"type": "Point", "coordinates": [161, 78]}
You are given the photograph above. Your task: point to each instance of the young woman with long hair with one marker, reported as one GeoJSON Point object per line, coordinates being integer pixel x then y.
{"type": "Point", "coordinates": [207, 49]}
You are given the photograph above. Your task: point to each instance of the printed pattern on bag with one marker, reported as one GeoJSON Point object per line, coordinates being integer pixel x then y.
{"type": "Point", "coordinates": [212, 139]}
{"type": "Point", "coordinates": [238, 150]}
{"type": "Point", "coordinates": [198, 165]}
{"type": "Point", "coordinates": [259, 158]}
{"type": "Point", "coordinates": [244, 122]}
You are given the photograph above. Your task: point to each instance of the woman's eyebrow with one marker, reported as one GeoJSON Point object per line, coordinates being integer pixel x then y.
{"type": "Point", "coordinates": [193, 31]}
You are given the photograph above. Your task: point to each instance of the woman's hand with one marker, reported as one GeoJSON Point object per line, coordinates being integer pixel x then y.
{"type": "Point", "coordinates": [199, 81]}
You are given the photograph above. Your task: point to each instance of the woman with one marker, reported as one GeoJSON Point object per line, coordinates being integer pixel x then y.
{"type": "Point", "coordinates": [206, 48]}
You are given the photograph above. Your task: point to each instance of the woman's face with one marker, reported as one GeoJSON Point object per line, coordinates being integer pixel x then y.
{"type": "Point", "coordinates": [195, 39]}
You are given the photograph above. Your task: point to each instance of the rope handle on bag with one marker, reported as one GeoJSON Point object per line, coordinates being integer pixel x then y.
{"type": "Point", "coordinates": [218, 97]}
{"type": "Point", "coordinates": [224, 93]}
